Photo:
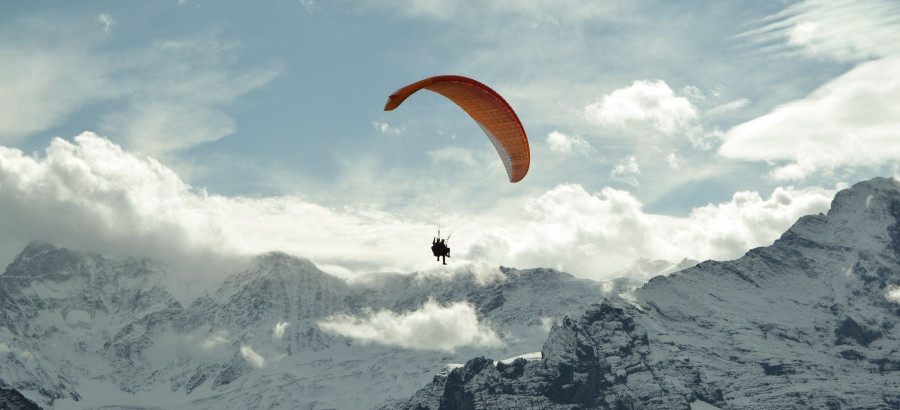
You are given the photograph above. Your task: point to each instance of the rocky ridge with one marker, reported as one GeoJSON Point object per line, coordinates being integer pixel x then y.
{"type": "Point", "coordinates": [83, 330]}
{"type": "Point", "coordinates": [808, 322]}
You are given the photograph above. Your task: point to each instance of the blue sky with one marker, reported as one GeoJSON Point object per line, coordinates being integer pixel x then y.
{"type": "Point", "coordinates": [657, 129]}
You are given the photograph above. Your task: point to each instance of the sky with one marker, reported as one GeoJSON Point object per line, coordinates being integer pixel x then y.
{"type": "Point", "coordinates": [657, 129]}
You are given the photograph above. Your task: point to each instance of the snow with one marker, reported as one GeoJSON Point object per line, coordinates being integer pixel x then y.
{"type": "Point", "coordinates": [812, 317]}
{"type": "Point", "coordinates": [702, 405]}
{"type": "Point", "coordinates": [110, 332]}
{"type": "Point", "coordinates": [526, 356]}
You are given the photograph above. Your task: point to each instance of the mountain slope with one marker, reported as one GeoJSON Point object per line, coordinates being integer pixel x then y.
{"type": "Point", "coordinates": [81, 330]}
{"type": "Point", "coordinates": [806, 322]}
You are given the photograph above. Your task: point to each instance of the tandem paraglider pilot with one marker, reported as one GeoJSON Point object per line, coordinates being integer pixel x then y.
{"type": "Point", "coordinates": [439, 249]}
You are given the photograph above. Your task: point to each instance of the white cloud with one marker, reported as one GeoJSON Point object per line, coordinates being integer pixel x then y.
{"type": "Point", "coordinates": [432, 327]}
{"type": "Point", "coordinates": [672, 160]}
{"type": "Point", "coordinates": [729, 106]}
{"type": "Point", "coordinates": [594, 235]}
{"type": "Point", "coordinates": [309, 5]}
{"type": "Point", "coordinates": [386, 128]}
{"type": "Point", "coordinates": [106, 21]}
{"type": "Point", "coordinates": [168, 96]}
{"type": "Point", "coordinates": [643, 107]}
{"type": "Point", "coordinates": [483, 274]}
{"type": "Point", "coordinates": [278, 331]}
{"type": "Point", "coordinates": [892, 293]}
{"type": "Point", "coordinates": [92, 195]}
{"type": "Point", "coordinates": [853, 120]}
{"type": "Point", "coordinates": [213, 341]}
{"type": "Point", "coordinates": [627, 171]}
{"type": "Point", "coordinates": [566, 145]}
{"type": "Point", "coordinates": [252, 357]}
{"type": "Point", "coordinates": [842, 30]}
{"type": "Point", "coordinates": [453, 10]}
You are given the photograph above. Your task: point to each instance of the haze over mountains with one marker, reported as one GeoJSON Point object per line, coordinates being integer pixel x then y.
{"type": "Point", "coordinates": [809, 321]}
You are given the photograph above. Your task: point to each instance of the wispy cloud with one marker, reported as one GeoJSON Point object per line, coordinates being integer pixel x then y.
{"type": "Point", "coordinates": [252, 357]}
{"type": "Point", "coordinates": [431, 327]}
{"type": "Point", "coordinates": [627, 171]}
{"type": "Point", "coordinates": [729, 106]}
{"type": "Point", "coordinates": [106, 21]}
{"type": "Point", "coordinates": [170, 94]}
{"type": "Point", "coordinates": [842, 30]}
{"type": "Point", "coordinates": [568, 145]}
{"type": "Point", "coordinates": [278, 331]}
{"type": "Point", "coordinates": [850, 121]}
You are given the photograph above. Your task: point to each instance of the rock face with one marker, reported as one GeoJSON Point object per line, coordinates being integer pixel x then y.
{"type": "Point", "coordinates": [85, 331]}
{"type": "Point", "coordinates": [808, 322]}
{"type": "Point", "coordinates": [11, 399]}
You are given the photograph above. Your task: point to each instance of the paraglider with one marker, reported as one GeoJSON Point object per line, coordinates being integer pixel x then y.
{"type": "Point", "coordinates": [487, 108]}
{"type": "Point", "coordinates": [492, 113]}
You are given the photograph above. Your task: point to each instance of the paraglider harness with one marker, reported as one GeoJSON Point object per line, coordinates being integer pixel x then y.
{"type": "Point", "coordinates": [439, 248]}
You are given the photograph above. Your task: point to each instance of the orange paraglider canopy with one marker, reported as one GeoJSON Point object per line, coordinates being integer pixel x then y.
{"type": "Point", "coordinates": [488, 109]}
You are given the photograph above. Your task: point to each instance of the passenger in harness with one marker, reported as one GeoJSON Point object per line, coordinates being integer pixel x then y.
{"type": "Point", "coordinates": [439, 248]}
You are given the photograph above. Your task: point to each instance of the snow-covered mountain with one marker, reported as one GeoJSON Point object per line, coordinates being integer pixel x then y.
{"type": "Point", "coordinates": [812, 321]}
{"type": "Point", "coordinates": [81, 330]}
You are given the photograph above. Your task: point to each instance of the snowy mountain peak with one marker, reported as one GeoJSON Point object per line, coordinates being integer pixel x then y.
{"type": "Point", "coordinates": [865, 216]}
{"type": "Point", "coordinates": [41, 259]}
{"type": "Point", "coordinates": [808, 322]}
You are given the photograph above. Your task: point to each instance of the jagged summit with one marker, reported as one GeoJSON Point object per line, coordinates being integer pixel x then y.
{"type": "Point", "coordinates": [40, 258]}
{"type": "Point", "coordinates": [804, 323]}
{"type": "Point", "coordinates": [85, 330]}
{"type": "Point", "coordinates": [809, 322]}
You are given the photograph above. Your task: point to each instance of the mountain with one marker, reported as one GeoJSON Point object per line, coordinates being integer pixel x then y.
{"type": "Point", "coordinates": [808, 322]}
{"type": "Point", "coordinates": [81, 330]}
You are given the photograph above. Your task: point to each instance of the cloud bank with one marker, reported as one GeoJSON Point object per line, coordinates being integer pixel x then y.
{"type": "Point", "coordinates": [573, 230]}
{"type": "Point", "coordinates": [90, 194]}
{"type": "Point", "coordinates": [432, 327]}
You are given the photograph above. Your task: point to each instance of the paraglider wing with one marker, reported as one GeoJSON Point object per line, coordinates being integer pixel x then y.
{"type": "Point", "coordinates": [488, 109]}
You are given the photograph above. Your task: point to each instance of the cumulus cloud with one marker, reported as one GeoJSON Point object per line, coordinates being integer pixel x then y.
{"type": "Point", "coordinates": [566, 145]}
{"type": "Point", "coordinates": [90, 194]}
{"type": "Point", "coordinates": [432, 327]}
{"type": "Point", "coordinates": [627, 171]}
{"type": "Point", "coordinates": [850, 121]}
{"type": "Point", "coordinates": [645, 106]}
{"type": "Point", "coordinates": [168, 95]}
{"type": "Point", "coordinates": [589, 234]}
{"type": "Point", "coordinates": [252, 357]}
